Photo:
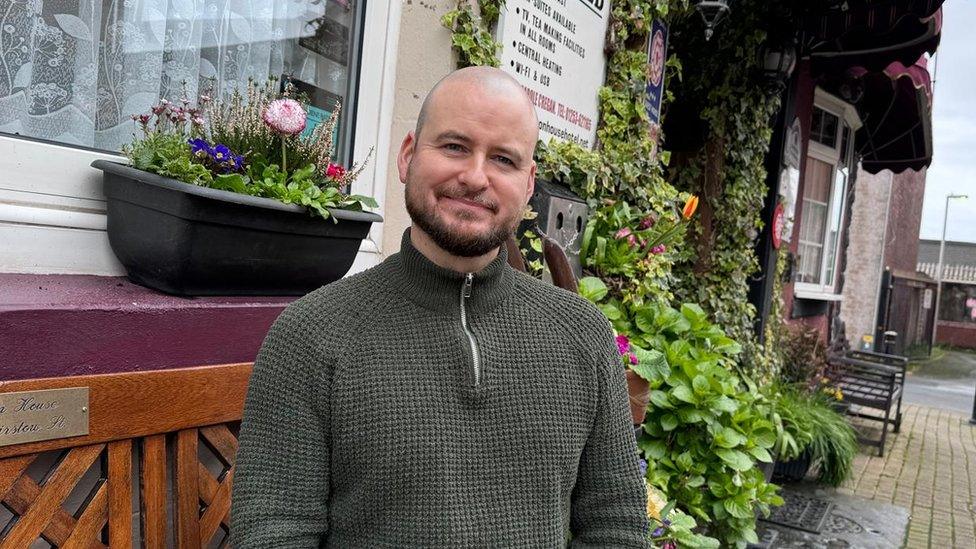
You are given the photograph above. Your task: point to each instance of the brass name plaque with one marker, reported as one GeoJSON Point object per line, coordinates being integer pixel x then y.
{"type": "Point", "coordinates": [30, 416]}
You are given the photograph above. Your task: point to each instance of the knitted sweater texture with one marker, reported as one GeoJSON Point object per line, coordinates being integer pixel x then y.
{"type": "Point", "coordinates": [377, 417]}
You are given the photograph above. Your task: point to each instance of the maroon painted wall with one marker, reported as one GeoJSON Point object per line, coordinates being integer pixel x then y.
{"type": "Point", "coordinates": [804, 112]}
{"type": "Point", "coordinates": [957, 334]}
{"type": "Point", "coordinates": [68, 325]}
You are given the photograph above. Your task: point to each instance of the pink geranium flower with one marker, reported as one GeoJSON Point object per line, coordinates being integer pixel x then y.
{"type": "Point", "coordinates": [623, 344]}
{"type": "Point", "coordinates": [335, 171]}
{"type": "Point", "coordinates": [285, 116]}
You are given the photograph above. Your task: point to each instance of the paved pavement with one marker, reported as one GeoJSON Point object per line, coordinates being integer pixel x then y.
{"type": "Point", "coordinates": [930, 469]}
{"type": "Point", "coordinates": [947, 382]}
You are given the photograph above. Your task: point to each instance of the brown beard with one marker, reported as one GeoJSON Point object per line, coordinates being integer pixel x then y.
{"type": "Point", "coordinates": [454, 243]}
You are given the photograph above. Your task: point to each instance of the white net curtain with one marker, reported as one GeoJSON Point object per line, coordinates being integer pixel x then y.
{"type": "Point", "coordinates": [73, 71]}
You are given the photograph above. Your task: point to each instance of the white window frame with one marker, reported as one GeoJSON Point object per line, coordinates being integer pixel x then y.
{"type": "Point", "coordinates": [827, 290]}
{"type": "Point", "coordinates": [52, 210]}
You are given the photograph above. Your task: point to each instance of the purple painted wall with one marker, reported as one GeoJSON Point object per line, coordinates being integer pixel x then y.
{"type": "Point", "coordinates": [67, 325]}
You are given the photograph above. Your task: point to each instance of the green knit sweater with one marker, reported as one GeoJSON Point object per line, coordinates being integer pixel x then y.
{"type": "Point", "coordinates": [414, 406]}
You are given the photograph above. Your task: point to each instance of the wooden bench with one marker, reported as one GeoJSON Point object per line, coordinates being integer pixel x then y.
{"type": "Point", "coordinates": [154, 471]}
{"type": "Point", "coordinates": [874, 381]}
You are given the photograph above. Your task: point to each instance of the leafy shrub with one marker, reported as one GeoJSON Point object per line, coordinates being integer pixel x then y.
{"type": "Point", "coordinates": [704, 430]}
{"type": "Point", "coordinates": [804, 355]}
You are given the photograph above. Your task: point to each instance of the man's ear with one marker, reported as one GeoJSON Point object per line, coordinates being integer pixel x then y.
{"type": "Point", "coordinates": [405, 154]}
{"type": "Point", "coordinates": [531, 186]}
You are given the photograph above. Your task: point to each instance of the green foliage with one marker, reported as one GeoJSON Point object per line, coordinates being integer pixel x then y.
{"type": "Point", "coordinates": [722, 82]}
{"type": "Point", "coordinates": [790, 412]}
{"type": "Point", "coordinates": [298, 187]}
{"type": "Point", "coordinates": [632, 250]}
{"type": "Point", "coordinates": [705, 428]}
{"type": "Point", "coordinates": [168, 154]}
{"type": "Point", "coordinates": [803, 353]}
{"type": "Point", "coordinates": [810, 423]}
{"type": "Point", "coordinates": [834, 443]}
{"type": "Point", "coordinates": [676, 527]}
{"type": "Point", "coordinates": [471, 36]}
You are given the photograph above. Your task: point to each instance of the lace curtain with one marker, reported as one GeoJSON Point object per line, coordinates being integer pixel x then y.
{"type": "Point", "coordinates": [73, 71]}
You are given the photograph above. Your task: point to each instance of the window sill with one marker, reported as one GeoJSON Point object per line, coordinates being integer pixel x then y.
{"type": "Point", "coordinates": [818, 296]}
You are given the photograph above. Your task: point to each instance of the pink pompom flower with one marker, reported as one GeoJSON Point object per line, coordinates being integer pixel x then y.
{"type": "Point", "coordinates": [285, 116]}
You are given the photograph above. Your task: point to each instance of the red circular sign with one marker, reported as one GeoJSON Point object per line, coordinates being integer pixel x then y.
{"type": "Point", "coordinates": [778, 222]}
{"type": "Point", "coordinates": [656, 69]}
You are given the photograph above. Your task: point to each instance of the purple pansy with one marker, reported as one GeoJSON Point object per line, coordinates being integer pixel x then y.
{"type": "Point", "coordinates": [220, 154]}
{"type": "Point", "coordinates": [198, 145]}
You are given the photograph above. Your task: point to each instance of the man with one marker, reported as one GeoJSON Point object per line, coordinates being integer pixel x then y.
{"type": "Point", "coordinates": [442, 399]}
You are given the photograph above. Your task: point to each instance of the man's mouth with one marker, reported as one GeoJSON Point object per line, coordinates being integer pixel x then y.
{"type": "Point", "coordinates": [473, 204]}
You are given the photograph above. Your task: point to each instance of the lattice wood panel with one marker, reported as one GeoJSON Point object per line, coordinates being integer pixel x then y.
{"type": "Point", "coordinates": [200, 503]}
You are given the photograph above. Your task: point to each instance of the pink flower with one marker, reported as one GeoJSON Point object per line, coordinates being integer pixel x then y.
{"type": "Point", "coordinates": [285, 116]}
{"type": "Point", "coordinates": [633, 358]}
{"type": "Point", "coordinates": [623, 344]}
{"type": "Point", "coordinates": [335, 171]}
{"type": "Point", "coordinates": [632, 240]}
{"type": "Point", "coordinates": [659, 249]}
{"type": "Point", "coordinates": [623, 233]}
{"type": "Point", "coordinates": [647, 222]}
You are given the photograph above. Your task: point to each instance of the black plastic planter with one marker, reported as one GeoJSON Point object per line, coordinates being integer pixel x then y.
{"type": "Point", "coordinates": [795, 470]}
{"type": "Point", "coordinates": [192, 241]}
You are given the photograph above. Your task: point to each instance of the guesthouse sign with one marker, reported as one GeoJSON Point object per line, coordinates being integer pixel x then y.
{"type": "Point", "coordinates": [31, 416]}
{"type": "Point", "coordinates": [554, 48]}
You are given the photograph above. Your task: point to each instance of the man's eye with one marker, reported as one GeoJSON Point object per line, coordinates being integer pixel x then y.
{"type": "Point", "coordinates": [505, 160]}
{"type": "Point", "coordinates": [453, 147]}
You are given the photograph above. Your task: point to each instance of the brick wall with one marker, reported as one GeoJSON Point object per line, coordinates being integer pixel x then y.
{"type": "Point", "coordinates": [865, 256]}
{"type": "Point", "coordinates": [904, 220]}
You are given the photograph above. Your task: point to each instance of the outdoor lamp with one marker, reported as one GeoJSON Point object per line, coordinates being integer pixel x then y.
{"type": "Point", "coordinates": [777, 62]}
{"type": "Point", "coordinates": [712, 11]}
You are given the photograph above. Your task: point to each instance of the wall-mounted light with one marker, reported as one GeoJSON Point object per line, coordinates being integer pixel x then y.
{"type": "Point", "coordinates": [712, 11]}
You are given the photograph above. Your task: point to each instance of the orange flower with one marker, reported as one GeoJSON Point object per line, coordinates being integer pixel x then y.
{"type": "Point", "coordinates": [690, 206]}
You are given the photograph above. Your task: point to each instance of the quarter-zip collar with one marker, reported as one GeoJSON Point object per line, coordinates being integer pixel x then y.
{"type": "Point", "coordinates": [436, 288]}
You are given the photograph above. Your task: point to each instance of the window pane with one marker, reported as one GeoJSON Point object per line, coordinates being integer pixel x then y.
{"type": "Point", "coordinates": [73, 71]}
{"type": "Point", "coordinates": [833, 234]}
{"type": "Point", "coordinates": [816, 185]}
{"type": "Point", "coordinates": [809, 268]}
{"type": "Point", "coordinates": [813, 219]}
{"type": "Point", "coordinates": [823, 127]}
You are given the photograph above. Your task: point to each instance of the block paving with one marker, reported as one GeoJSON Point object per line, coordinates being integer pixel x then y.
{"type": "Point", "coordinates": [928, 468]}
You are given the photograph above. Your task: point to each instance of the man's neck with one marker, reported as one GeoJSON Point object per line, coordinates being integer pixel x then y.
{"type": "Point", "coordinates": [443, 258]}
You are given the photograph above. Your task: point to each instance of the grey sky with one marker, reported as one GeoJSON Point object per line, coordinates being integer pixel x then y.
{"type": "Point", "coordinates": [953, 167]}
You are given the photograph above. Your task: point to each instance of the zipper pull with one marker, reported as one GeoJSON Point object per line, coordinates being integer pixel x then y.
{"type": "Point", "coordinates": [468, 280]}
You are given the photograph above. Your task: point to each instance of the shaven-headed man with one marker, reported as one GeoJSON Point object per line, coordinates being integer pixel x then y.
{"type": "Point", "coordinates": [442, 399]}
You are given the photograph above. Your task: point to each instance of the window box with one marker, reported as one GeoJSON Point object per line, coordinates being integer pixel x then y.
{"type": "Point", "coordinates": [188, 240]}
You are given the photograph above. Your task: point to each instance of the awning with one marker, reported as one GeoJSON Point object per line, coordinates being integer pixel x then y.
{"type": "Point", "coordinates": [872, 33]}
{"type": "Point", "coordinates": [896, 111]}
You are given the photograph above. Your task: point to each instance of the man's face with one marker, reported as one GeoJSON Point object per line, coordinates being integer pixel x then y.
{"type": "Point", "coordinates": [470, 172]}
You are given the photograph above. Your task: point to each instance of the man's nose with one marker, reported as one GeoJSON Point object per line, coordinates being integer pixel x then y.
{"type": "Point", "coordinates": [473, 175]}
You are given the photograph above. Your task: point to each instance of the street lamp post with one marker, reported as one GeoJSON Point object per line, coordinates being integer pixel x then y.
{"type": "Point", "coordinates": [938, 279]}
{"type": "Point", "coordinates": [938, 272]}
